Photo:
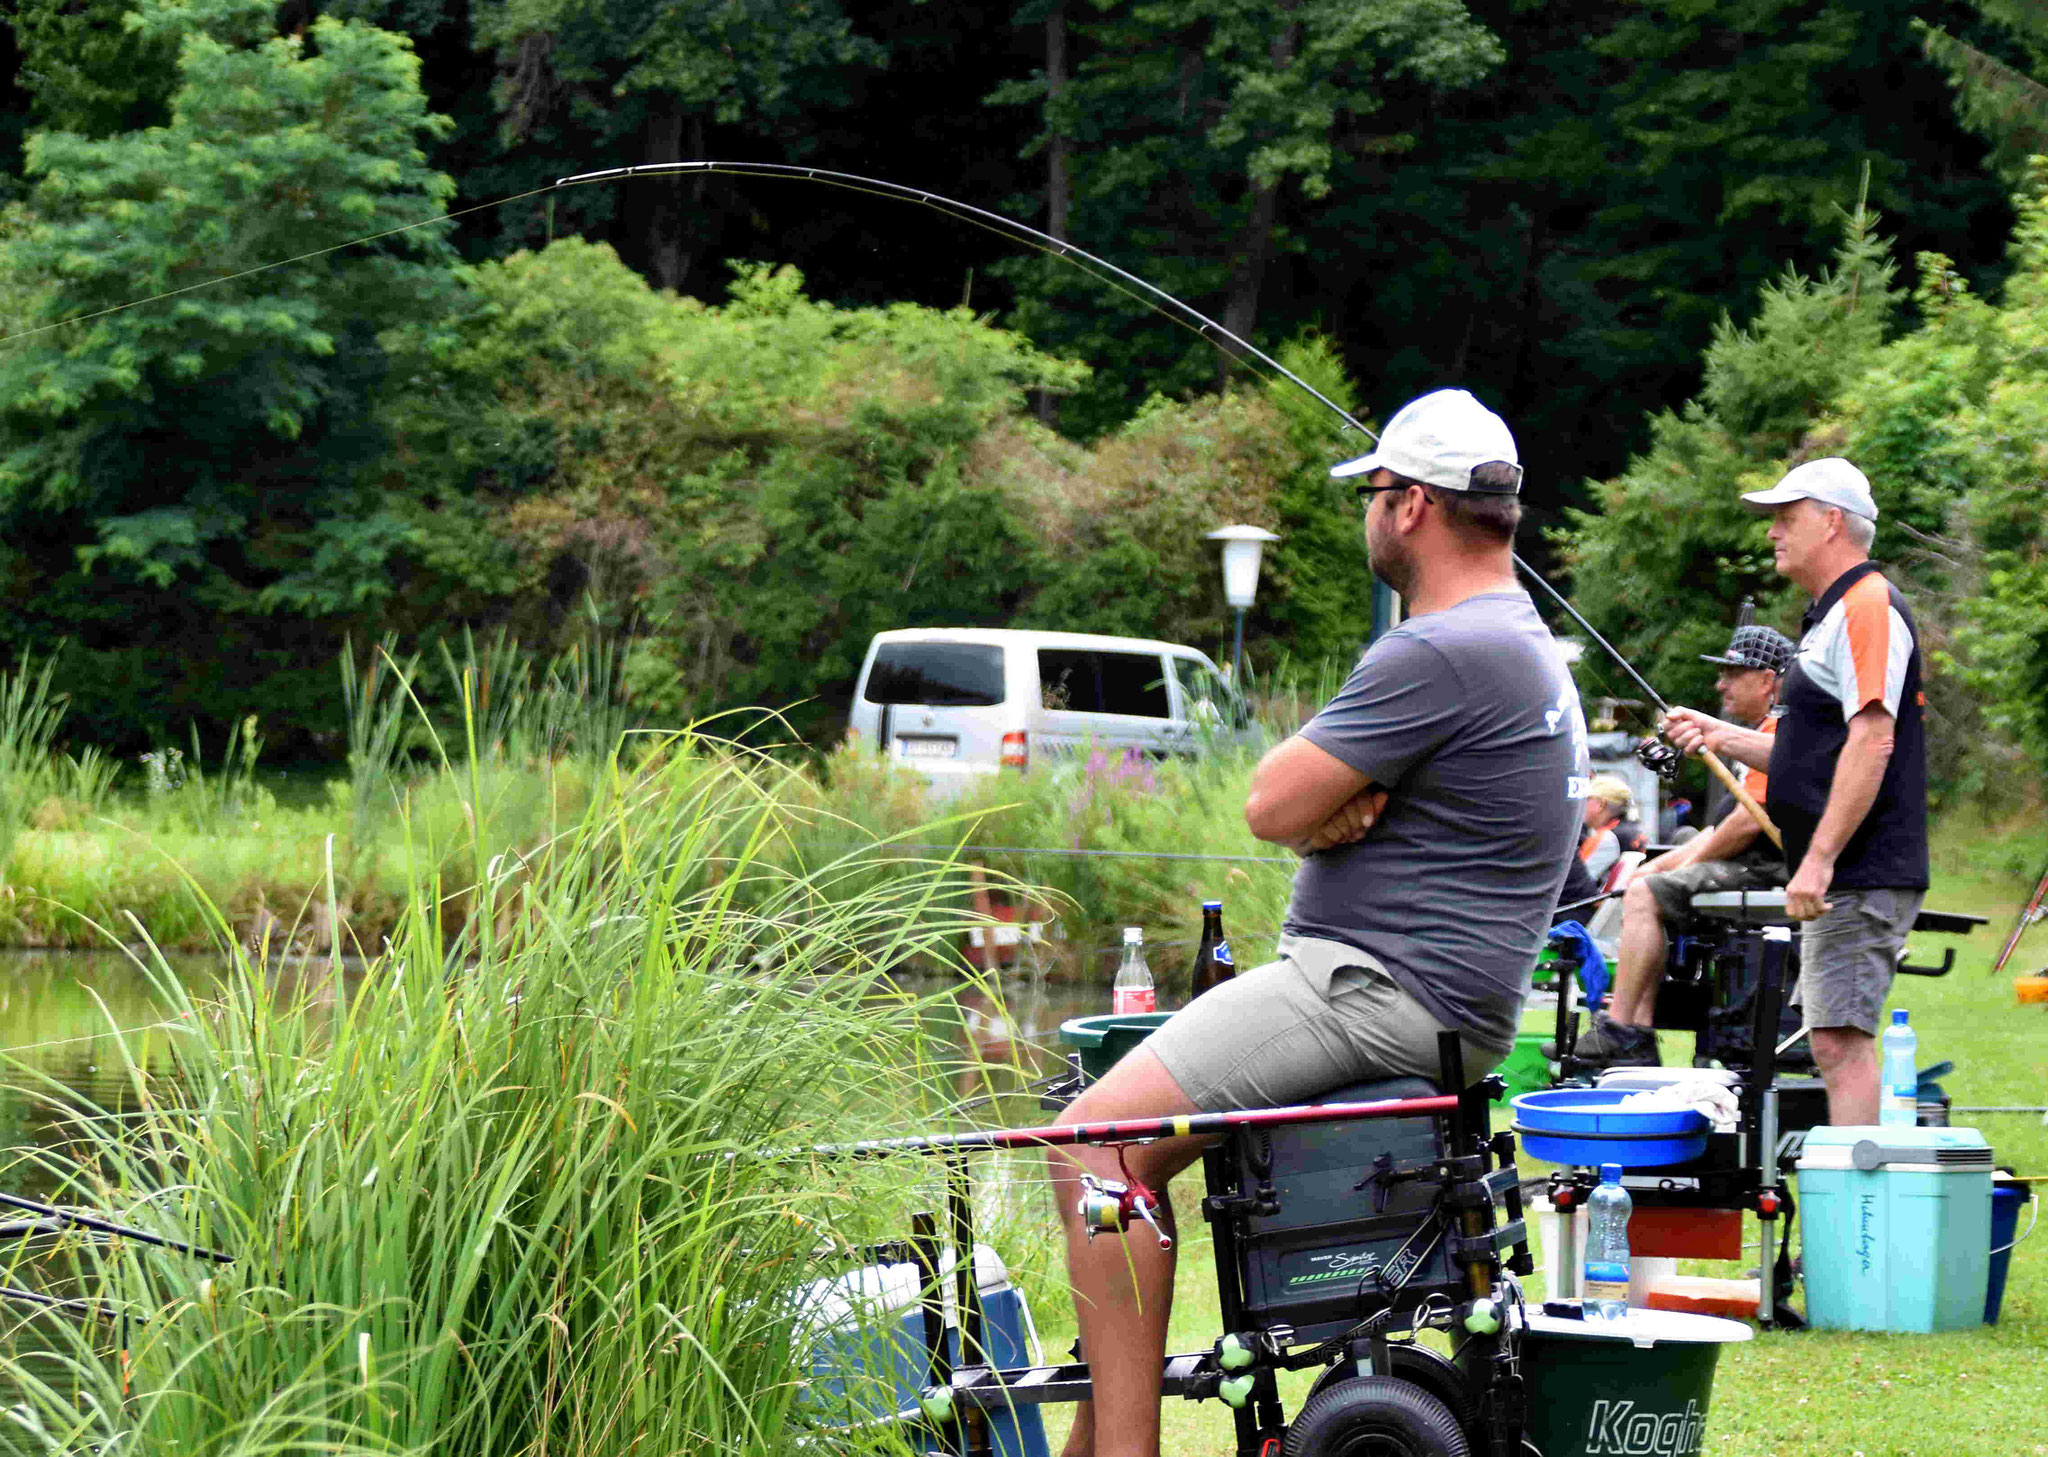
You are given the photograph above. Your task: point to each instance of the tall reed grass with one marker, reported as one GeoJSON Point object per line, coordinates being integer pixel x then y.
{"type": "Point", "coordinates": [502, 1194]}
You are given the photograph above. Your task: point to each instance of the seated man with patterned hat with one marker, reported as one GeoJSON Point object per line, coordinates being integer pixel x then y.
{"type": "Point", "coordinates": [1733, 855]}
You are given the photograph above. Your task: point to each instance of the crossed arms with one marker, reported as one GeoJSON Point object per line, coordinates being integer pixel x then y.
{"type": "Point", "coordinates": [1308, 799]}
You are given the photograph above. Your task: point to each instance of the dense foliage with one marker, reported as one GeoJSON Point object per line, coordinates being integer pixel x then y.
{"type": "Point", "coordinates": [577, 408]}
{"type": "Point", "coordinates": [1947, 422]}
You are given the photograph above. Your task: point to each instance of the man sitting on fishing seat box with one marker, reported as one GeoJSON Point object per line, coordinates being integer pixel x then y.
{"type": "Point", "coordinates": [1609, 834]}
{"type": "Point", "coordinates": [1733, 855]}
{"type": "Point", "coordinates": [1435, 802]}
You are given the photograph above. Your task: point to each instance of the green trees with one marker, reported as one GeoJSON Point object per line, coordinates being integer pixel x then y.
{"type": "Point", "coordinates": [756, 487]}
{"type": "Point", "coordinates": [1551, 203]}
{"type": "Point", "coordinates": [1191, 134]}
{"type": "Point", "coordinates": [1673, 518]}
{"type": "Point", "coordinates": [642, 80]}
{"type": "Point", "coordinates": [1946, 421]}
{"type": "Point", "coordinates": [209, 467]}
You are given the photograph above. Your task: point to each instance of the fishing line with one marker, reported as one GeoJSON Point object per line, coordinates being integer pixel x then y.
{"type": "Point", "coordinates": [1096, 267]}
{"type": "Point", "coordinates": [1122, 279]}
{"type": "Point", "coordinates": [1129, 284]}
{"type": "Point", "coordinates": [266, 267]}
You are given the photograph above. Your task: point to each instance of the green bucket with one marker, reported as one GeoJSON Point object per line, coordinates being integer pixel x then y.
{"type": "Point", "coordinates": [1103, 1039]}
{"type": "Point", "coordinates": [1638, 1384]}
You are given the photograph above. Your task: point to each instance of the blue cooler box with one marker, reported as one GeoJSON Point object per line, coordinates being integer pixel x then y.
{"type": "Point", "coordinates": [864, 1336]}
{"type": "Point", "coordinates": [1897, 1228]}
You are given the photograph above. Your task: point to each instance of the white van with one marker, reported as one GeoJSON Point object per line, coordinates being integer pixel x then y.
{"type": "Point", "coordinates": [957, 702]}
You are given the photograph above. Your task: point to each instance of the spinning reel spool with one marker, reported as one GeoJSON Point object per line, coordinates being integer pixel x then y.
{"type": "Point", "coordinates": [1658, 757]}
{"type": "Point", "coordinates": [1110, 1207]}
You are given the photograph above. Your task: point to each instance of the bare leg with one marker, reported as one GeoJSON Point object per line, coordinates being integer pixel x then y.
{"type": "Point", "coordinates": [1848, 1065]}
{"type": "Point", "coordinates": [1123, 1285]}
{"type": "Point", "coordinates": [1639, 959]}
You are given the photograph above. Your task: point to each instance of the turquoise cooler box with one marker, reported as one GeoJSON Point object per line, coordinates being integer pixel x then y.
{"type": "Point", "coordinates": [1898, 1228]}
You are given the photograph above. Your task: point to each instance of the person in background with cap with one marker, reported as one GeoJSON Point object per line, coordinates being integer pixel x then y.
{"type": "Point", "coordinates": [1608, 834]}
{"type": "Point", "coordinates": [1848, 771]}
{"type": "Point", "coordinates": [1434, 802]}
{"type": "Point", "coordinates": [1733, 855]}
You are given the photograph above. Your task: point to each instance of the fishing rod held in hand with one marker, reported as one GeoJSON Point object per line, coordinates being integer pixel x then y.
{"type": "Point", "coordinates": [1712, 760]}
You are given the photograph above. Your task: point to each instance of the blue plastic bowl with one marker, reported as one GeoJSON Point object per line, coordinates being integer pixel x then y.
{"type": "Point", "coordinates": [1586, 1126]}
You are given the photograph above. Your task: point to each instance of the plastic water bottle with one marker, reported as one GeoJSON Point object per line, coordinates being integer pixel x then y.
{"type": "Point", "coordinates": [1607, 1215]}
{"type": "Point", "coordinates": [1899, 1100]}
{"type": "Point", "coordinates": [1133, 991]}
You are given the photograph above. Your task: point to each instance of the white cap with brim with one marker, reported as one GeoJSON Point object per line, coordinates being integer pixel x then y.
{"type": "Point", "coordinates": [1440, 439]}
{"type": "Point", "coordinates": [1831, 482]}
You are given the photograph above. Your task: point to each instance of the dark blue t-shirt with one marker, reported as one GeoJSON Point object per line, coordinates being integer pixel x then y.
{"type": "Point", "coordinates": [1470, 719]}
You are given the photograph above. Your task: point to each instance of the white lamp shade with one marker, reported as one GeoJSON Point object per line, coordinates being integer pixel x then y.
{"type": "Point", "coordinates": [1242, 548]}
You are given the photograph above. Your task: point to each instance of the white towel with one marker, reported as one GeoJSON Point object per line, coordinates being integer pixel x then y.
{"type": "Point", "coordinates": [1702, 1095]}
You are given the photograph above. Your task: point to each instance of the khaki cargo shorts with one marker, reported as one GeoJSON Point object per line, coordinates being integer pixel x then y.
{"type": "Point", "coordinates": [1673, 890]}
{"type": "Point", "coordinates": [1321, 1016]}
{"type": "Point", "coordinates": [1847, 958]}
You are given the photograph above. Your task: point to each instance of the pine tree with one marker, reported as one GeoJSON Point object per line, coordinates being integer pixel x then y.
{"type": "Point", "coordinates": [1997, 99]}
{"type": "Point", "coordinates": [1674, 518]}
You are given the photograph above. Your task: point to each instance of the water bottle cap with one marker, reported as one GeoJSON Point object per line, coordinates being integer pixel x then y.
{"type": "Point", "coordinates": [1133, 935]}
{"type": "Point", "coordinates": [1610, 1173]}
{"type": "Point", "coordinates": [1898, 1016]}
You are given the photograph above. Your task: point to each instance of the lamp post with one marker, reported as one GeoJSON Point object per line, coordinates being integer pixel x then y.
{"type": "Point", "coordinates": [1242, 547]}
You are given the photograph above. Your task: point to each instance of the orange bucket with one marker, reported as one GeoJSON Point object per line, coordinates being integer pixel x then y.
{"type": "Point", "coordinates": [2032, 988]}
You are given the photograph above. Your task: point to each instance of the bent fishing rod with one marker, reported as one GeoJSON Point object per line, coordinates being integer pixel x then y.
{"type": "Point", "coordinates": [1142, 291]}
{"type": "Point", "coordinates": [1160, 301]}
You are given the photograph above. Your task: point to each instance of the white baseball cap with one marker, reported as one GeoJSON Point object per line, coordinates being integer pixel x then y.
{"type": "Point", "coordinates": [1440, 439]}
{"type": "Point", "coordinates": [1832, 482]}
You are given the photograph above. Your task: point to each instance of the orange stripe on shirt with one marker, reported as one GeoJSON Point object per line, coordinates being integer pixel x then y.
{"type": "Point", "coordinates": [1867, 619]}
{"type": "Point", "coordinates": [1756, 781]}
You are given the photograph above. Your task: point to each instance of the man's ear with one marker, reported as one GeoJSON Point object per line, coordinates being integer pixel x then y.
{"type": "Point", "coordinates": [1409, 514]}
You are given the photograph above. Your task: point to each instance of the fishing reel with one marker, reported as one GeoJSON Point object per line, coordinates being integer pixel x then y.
{"type": "Point", "coordinates": [1658, 757]}
{"type": "Point", "coordinates": [1111, 1207]}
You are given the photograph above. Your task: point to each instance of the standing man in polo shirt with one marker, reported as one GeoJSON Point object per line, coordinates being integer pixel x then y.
{"type": "Point", "coordinates": [1848, 771]}
{"type": "Point", "coordinates": [1434, 802]}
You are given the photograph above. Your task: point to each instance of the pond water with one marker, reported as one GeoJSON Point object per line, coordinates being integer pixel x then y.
{"type": "Point", "coordinates": [83, 1020]}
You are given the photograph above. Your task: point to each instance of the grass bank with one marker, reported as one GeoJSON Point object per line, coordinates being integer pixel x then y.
{"type": "Point", "coordinates": [1964, 1394]}
{"type": "Point", "coordinates": [499, 1192]}
{"type": "Point", "coordinates": [1103, 841]}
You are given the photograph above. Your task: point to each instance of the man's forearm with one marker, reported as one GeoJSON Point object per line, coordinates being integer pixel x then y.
{"type": "Point", "coordinates": [1745, 746]}
{"type": "Point", "coordinates": [1859, 772]}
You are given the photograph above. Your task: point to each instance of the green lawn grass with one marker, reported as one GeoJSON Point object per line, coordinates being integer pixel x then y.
{"type": "Point", "coordinates": [1982, 1391]}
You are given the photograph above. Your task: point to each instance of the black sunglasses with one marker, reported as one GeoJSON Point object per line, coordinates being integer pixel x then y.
{"type": "Point", "coordinates": [1366, 493]}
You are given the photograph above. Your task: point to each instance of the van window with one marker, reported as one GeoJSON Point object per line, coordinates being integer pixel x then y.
{"type": "Point", "coordinates": [1083, 680]}
{"type": "Point", "coordinates": [937, 674]}
{"type": "Point", "coordinates": [1209, 697]}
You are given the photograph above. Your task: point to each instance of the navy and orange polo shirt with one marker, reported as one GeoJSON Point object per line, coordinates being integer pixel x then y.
{"type": "Point", "coordinates": [1859, 646]}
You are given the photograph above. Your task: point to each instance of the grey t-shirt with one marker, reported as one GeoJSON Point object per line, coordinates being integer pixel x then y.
{"type": "Point", "coordinates": [1471, 721]}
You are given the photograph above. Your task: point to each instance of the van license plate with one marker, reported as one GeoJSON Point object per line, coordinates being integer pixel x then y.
{"type": "Point", "coordinates": [929, 748]}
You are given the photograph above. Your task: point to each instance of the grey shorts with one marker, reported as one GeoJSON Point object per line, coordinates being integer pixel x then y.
{"type": "Point", "coordinates": [1847, 958]}
{"type": "Point", "coordinates": [1673, 890]}
{"type": "Point", "coordinates": [1320, 1017]}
